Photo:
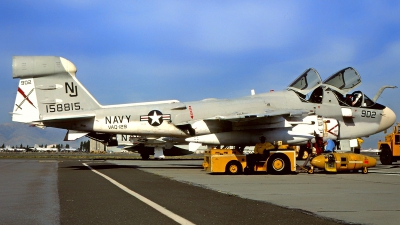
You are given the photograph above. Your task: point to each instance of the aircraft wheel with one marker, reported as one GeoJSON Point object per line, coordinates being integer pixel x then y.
{"type": "Point", "coordinates": [233, 168]}
{"type": "Point", "coordinates": [386, 156]}
{"type": "Point", "coordinates": [278, 164]}
{"type": "Point", "coordinates": [145, 156]}
{"type": "Point", "coordinates": [364, 170]}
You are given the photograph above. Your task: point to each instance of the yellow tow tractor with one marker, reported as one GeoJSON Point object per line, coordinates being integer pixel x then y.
{"type": "Point", "coordinates": [266, 158]}
{"type": "Point", "coordinates": [390, 148]}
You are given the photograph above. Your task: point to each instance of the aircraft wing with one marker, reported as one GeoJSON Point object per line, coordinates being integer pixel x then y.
{"type": "Point", "coordinates": [268, 113]}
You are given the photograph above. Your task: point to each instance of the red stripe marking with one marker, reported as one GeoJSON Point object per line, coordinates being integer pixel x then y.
{"type": "Point", "coordinates": [26, 97]}
{"type": "Point", "coordinates": [329, 131]}
{"type": "Point", "coordinates": [191, 112]}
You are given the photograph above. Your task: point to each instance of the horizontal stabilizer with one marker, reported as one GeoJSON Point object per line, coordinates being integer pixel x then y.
{"type": "Point", "coordinates": [72, 135]}
{"type": "Point", "coordinates": [68, 117]}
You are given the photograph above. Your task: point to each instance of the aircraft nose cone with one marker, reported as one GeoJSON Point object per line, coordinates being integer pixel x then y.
{"type": "Point", "coordinates": [388, 119]}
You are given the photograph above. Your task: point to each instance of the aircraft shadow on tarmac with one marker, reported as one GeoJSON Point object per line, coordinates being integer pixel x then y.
{"type": "Point", "coordinates": [188, 165]}
{"type": "Point", "coordinates": [394, 167]}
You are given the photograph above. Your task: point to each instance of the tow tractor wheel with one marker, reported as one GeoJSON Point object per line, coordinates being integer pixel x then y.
{"type": "Point", "coordinates": [278, 163]}
{"type": "Point", "coordinates": [233, 168]}
{"type": "Point", "coordinates": [364, 170]}
{"type": "Point", "coordinates": [386, 156]}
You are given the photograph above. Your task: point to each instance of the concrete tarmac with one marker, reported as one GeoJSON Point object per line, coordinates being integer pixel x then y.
{"type": "Point", "coordinates": [92, 199]}
{"type": "Point", "coordinates": [28, 192]}
{"type": "Point", "coordinates": [372, 198]}
{"type": "Point", "coordinates": [37, 192]}
{"type": "Point", "coordinates": [68, 192]}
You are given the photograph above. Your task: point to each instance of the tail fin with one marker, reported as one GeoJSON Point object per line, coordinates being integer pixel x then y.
{"type": "Point", "coordinates": [48, 89]}
{"type": "Point", "coordinates": [26, 105]}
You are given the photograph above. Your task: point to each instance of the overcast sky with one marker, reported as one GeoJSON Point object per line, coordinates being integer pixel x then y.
{"type": "Point", "coordinates": [133, 51]}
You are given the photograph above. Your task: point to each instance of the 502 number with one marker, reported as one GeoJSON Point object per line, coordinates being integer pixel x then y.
{"type": "Point", "coordinates": [368, 114]}
{"type": "Point", "coordinates": [63, 107]}
{"type": "Point", "coordinates": [25, 82]}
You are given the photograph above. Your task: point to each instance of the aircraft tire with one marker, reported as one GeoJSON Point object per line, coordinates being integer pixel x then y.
{"type": "Point", "coordinates": [233, 168]}
{"type": "Point", "coordinates": [247, 171]}
{"type": "Point", "coordinates": [145, 156]}
{"type": "Point", "coordinates": [278, 163]}
{"type": "Point", "coordinates": [386, 156]}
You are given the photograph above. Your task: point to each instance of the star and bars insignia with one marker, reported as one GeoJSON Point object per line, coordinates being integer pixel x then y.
{"type": "Point", "coordinates": [155, 118]}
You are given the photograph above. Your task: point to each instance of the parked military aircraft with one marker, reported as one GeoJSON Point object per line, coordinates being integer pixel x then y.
{"type": "Point", "coordinates": [49, 94]}
{"type": "Point", "coordinates": [8, 148]}
{"type": "Point", "coordinates": [68, 150]}
{"type": "Point", "coordinates": [36, 148]}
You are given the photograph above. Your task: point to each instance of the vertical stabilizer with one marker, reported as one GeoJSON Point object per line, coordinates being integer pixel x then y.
{"type": "Point", "coordinates": [48, 89]}
{"type": "Point", "coordinates": [26, 106]}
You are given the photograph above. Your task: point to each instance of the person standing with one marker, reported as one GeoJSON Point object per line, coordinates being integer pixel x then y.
{"type": "Point", "coordinates": [330, 146]}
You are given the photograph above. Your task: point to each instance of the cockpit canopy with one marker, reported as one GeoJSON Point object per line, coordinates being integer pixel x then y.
{"type": "Point", "coordinates": [306, 82]}
{"type": "Point", "coordinates": [310, 88]}
{"type": "Point", "coordinates": [344, 80]}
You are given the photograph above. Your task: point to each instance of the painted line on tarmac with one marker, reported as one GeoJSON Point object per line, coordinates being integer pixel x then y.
{"type": "Point", "coordinates": [152, 204]}
{"type": "Point", "coordinates": [385, 172]}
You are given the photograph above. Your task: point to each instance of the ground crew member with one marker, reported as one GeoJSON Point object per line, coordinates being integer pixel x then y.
{"type": "Point", "coordinates": [260, 154]}
{"type": "Point", "coordinates": [358, 148]}
{"type": "Point", "coordinates": [319, 144]}
{"type": "Point", "coordinates": [330, 146]}
{"type": "Point", "coordinates": [263, 146]}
